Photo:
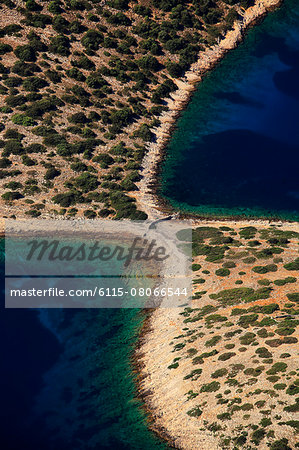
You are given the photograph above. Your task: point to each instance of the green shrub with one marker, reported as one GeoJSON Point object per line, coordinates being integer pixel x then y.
{"type": "Point", "coordinates": [232, 296]}
{"type": "Point", "coordinates": [285, 355]}
{"type": "Point", "coordinates": [222, 272]}
{"type": "Point", "coordinates": [213, 341]}
{"type": "Point", "coordinates": [52, 173]}
{"type": "Point", "coordinates": [191, 395]}
{"type": "Point", "coordinates": [22, 119]}
{"type": "Point", "coordinates": [281, 444]}
{"type": "Point", "coordinates": [248, 232]}
{"type": "Point", "coordinates": [12, 133]}
{"type": "Point", "coordinates": [60, 24]}
{"type": "Point", "coordinates": [206, 355]}
{"type": "Point", "coordinates": [215, 318]}
{"type": "Point", "coordinates": [210, 387]}
{"type": "Point", "coordinates": [149, 62]}
{"type": "Point", "coordinates": [27, 161]}
{"type": "Point", "coordinates": [269, 309]}
{"type": "Point", "coordinates": [34, 84]}
{"type": "Point", "coordinates": [194, 374]}
{"type": "Point", "coordinates": [92, 39]}
{"type": "Point", "coordinates": [226, 356]}
{"type": "Point", "coordinates": [173, 366]}
{"type": "Point", "coordinates": [293, 297]}
{"type": "Point", "coordinates": [247, 320]}
{"type": "Point", "coordinates": [15, 100]}
{"type": "Point", "coordinates": [293, 389]}
{"type": "Point", "coordinates": [53, 76]}
{"type": "Point", "coordinates": [76, 74]}
{"type": "Point", "coordinates": [280, 386]}
{"type": "Point", "coordinates": [65, 200]}
{"type": "Point", "coordinates": [175, 70]}
{"type": "Point", "coordinates": [13, 185]}
{"type": "Point", "coordinates": [143, 10]}
{"type": "Point", "coordinates": [60, 44]}
{"type": "Point", "coordinates": [90, 214]}
{"type": "Point", "coordinates": [7, 173]}
{"type": "Point", "coordinates": [55, 7]}
{"type": "Point", "coordinates": [33, 213]}
{"type": "Point", "coordinates": [13, 146]}
{"type": "Point", "coordinates": [31, 5]}
{"type": "Point", "coordinates": [265, 269]}
{"type": "Point", "coordinates": [236, 295]}
{"type": "Point", "coordinates": [229, 265]}
{"type": "Point", "coordinates": [254, 243]}
{"type": "Point", "coordinates": [269, 252]}
{"type": "Point", "coordinates": [25, 53]}
{"type": "Point", "coordinates": [247, 339]}
{"type": "Point", "coordinates": [4, 163]}
{"type": "Point", "coordinates": [5, 48]}
{"type": "Point", "coordinates": [277, 367]}
{"type": "Point", "coordinates": [79, 166]}
{"type": "Point", "coordinates": [86, 182]}
{"type": "Point", "coordinates": [78, 117]}
{"type": "Point", "coordinates": [105, 212]}
{"type": "Point", "coordinates": [285, 331]}
{"type": "Point", "coordinates": [84, 63]}
{"type": "Point", "coordinates": [144, 133]}
{"type": "Point", "coordinates": [229, 346]}
{"type": "Point", "coordinates": [192, 351]}
{"type": "Point", "coordinates": [284, 281]}
{"type": "Point", "coordinates": [294, 424]}
{"type": "Point", "coordinates": [12, 82]}
{"type": "Point", "coordinates": [294, 265]}
{"type": "Point", "coordinates": [37, 20]}
{"type": "Point", "coordinates": [257, 436]}
{"type": "Point", "coordinates": [224, 416]}
{"type": "Point", "coordinates": [195, 412]}
{"type": "Point", "coordinates": [53, 139]}
{"type": "Point", "coordinates": [10, 29]}
{"type": "Point", "coordinates": [104, 160]}
{"type": "Point", "coordinates": [219, 373]}
{"type": "Point", "coordinates": [263, 352]}
{"type": "Point", "coordinates": [263, 333]}
{"type": "Point", "coordinates": [12, 195]}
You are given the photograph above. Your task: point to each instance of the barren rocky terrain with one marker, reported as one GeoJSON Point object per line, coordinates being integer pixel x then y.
{"type": "Point", "coordinates": [223, 372]}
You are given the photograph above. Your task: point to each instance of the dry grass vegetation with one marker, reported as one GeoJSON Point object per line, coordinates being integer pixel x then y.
{"type": "Point", "coordinates": [82, 85]}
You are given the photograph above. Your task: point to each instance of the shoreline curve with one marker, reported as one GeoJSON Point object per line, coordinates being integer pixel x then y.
{"type": "Point", "coordinates": [147, 197]}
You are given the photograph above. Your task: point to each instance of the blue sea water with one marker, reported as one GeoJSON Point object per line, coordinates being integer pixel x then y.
{"type": "Point", "coordinates": [67, 381]}
{"type": "Point", "coordinates": [235, 150]}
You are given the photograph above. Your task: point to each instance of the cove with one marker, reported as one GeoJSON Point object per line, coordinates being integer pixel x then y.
{"type": "Point", "coordinates": [235, 149]}
{"type": "Point", "coordinates": [67, 379]}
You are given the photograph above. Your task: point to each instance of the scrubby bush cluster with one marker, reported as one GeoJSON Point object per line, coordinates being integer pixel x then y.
{"type": "Point", "coordinates": [242, 338]}
{"type": "Point", "coordinates": [87, 82]}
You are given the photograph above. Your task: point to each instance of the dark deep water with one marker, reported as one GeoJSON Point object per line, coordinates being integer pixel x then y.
{"type": "Point", "coordinates": [67, 382]}
{"type": "Point", "coordinates": [236, 147]}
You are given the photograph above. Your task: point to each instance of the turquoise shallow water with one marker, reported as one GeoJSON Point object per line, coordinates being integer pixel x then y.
{"type": "Point", "coordinates": [67, 382]}
{"type": "Point", "coordinates": [235, 150]}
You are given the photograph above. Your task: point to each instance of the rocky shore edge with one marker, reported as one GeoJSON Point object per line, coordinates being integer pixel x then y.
{"type": "Point", "coordinates": [146, 196]}
{"type": "Point", "coordinates": [151, 356]}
